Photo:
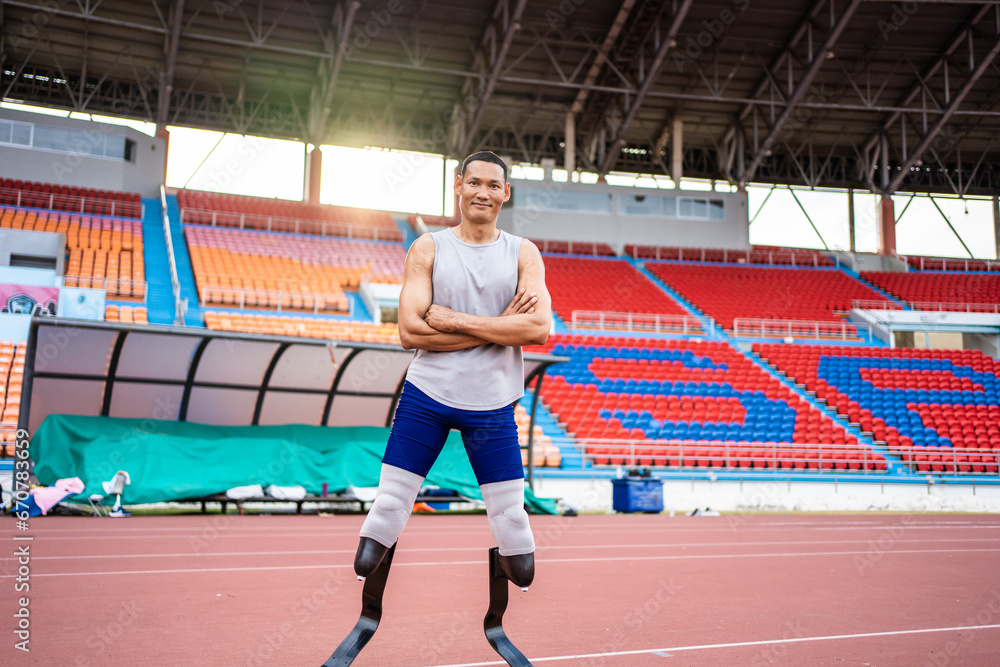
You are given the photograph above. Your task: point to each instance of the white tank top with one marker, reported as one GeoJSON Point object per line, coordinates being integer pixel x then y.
{"type": "Point", "coordinates": [478, 280]}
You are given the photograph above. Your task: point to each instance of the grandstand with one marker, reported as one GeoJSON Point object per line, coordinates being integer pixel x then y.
{"type": "Point", "coordinates": [963, 292]}
{"type": "Point", "coordinates": [727, 293]}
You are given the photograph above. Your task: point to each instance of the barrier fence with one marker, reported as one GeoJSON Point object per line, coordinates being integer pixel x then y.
{"type": "Point", "coordinates": [636, 322]}
{"type": "Point", "coordinates": [764, 328]}
{"type": "Point", "coordinates": [272, 223]}
{"type": "Point", "coordinates": [92, 205]}
{"type": "Point", "coordinates": [574, 247]}
{"type": "Point", "coordinates": [945, 264]}
{"type": "Point", "coordinates": [814, 458]}
{"type": "Point", "coordinates": [872, 304]}
{"type": "Point", "coordinates": [937, 306]}
{"type": "Point", "coordinates": [729, 256]}
{"type": "Point", "coordinates": [955, 307]}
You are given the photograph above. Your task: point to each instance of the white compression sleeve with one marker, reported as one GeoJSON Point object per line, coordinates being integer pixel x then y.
{"type": "Point", "coordinates": [397, 491]}
{"type": "Point", "coordinates": [508, 520]}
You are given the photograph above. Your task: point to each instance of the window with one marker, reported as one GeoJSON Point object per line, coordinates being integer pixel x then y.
{"type": "Point", "coordinates": [65, 140]}
{"type": "Point", "coordinates": [557, 199]}
{"type": "Point", "coordinates": [703, 209]}
{"type": "Point", "coordinates": [647, 205]}
{"type": "Point", "coordinates": [18, 134]}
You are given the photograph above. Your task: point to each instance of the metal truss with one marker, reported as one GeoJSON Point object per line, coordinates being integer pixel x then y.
{"type": "Point", "coordinates": [936, 137]}
{"type": "Point", "coordinates": [488, 62]}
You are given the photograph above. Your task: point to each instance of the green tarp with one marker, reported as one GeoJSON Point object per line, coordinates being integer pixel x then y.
{"type": "Point", "coordinates": [177, 460]}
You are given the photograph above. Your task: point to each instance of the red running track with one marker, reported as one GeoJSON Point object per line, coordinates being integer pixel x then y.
{"type": "Point", "coordinates": [866, 589]}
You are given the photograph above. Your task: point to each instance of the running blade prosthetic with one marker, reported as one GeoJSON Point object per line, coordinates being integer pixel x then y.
{"type": "Point", "coordinates": [493, 623]}
{"type": "Point", "coordinates": [371, 614]}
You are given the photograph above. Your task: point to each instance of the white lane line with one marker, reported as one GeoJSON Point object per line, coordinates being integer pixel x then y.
{"type": "Point", "coordinates": [242, 531]}
{"type": "Point", "coordinates": [545, 549]}
{"type": "Point", "coordinates": [763, 642]}
{"type": "Point", "coordinates": [479, 563]}
{"type": "Point", "coordinates": [209, 531]}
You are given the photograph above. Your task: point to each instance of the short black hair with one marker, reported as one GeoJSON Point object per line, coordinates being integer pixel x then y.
{"type": "Point", "coordinates": [485, 156]}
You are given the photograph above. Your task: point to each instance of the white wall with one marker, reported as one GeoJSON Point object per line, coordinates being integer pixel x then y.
{"type": "Point", "coordinates": [38, 244]}
{"type": "Point", "coordinates": [681, 496]}
{"type": "Point", "coordinates": [143, 175]}
{"type": "Point", "coordinates": [618, 230]}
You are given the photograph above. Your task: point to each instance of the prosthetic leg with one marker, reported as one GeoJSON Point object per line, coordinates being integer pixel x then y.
{"type": "Point", "coordinates": [520, 570]}
{"type": "Point", "coordinates": [371, 611]}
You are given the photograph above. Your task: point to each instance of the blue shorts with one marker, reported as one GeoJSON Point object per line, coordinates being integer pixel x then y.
{"type": "Point", "coordinates": [421, 425]}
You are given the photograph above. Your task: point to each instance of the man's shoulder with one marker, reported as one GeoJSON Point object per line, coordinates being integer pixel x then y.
{"type": "Point", "coordinates": [423, 243]}
{"type": "Point", "coordinates": [422, 250]}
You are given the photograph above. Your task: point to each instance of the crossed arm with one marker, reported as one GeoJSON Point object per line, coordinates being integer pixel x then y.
{"type": "Point", "coordinates": [525, 321]}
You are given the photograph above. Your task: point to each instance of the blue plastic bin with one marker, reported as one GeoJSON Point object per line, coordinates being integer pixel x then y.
{"type": "Point", "coordinates": [637, 494]}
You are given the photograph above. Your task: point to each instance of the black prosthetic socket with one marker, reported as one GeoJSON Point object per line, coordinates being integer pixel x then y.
{"type": "Point", "coordinates": [519, 569]}
{"type": "Point", "coordinates": [369, 556]}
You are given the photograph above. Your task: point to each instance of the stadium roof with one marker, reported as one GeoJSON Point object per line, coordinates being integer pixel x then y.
{"type": "Point", "coordinates": [877, 94]}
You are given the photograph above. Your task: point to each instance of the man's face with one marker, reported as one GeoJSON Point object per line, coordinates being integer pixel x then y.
{"type": "Point", "coordinates": [482, 191]}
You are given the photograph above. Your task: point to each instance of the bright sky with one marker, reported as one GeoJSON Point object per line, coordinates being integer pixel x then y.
{"type": "Point", "coordinates": [410, 182]}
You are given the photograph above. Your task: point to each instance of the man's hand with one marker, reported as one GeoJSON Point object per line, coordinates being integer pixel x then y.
{"type": "Point", "coordinates": [523, 303]}
{"type": "Point", "coordinates": [442, 319]}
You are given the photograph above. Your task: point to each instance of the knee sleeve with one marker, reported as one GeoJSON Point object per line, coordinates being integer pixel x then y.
{"type": "Point", "coordinates": [397, 491]}
{"type": "Point", "coordinates": [508, 520]}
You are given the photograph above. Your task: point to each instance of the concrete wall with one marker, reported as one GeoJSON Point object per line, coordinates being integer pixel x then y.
{"type": "Point", "coordinates": [684, 495]}
{"type": "Point", "coordinates": [988, 344]}
{"type": "Point", "coordinates": [38, 244]}
{"type": "Point", "coordinates": [14, 327]}
{"type": "Point", "coordinates": [864, 261]}
{"type": "Point", "coordinates": [144, 174]}
{"type": "Point", "coordinates": [517, 217]}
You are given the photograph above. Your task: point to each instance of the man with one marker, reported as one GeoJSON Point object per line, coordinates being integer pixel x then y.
{"type": "Point", "coordinates": [472, 295]}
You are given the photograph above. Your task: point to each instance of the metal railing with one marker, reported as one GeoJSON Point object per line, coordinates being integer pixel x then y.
{"type": "Point", "coordinates": [730, 256]}
{"type": "Point", "coordinates": [813, 330]}
{"type": "Point", "coordinates": [70, 203]}
{"type": "Point", "coordinates": [945, 264]}
{"type": "Point", "coordinates": [180, 305]}
{"type": "Point", "coordinates": [635, 322]}
{"type": "Point", "coordinates": [873, 304]}
{"type": "Point", "coordinates": [271, 223]}
{"type": "Point", "coordinates": [814, 458]}
{"type": "Point", "coordinates": [574, 247]}
{"type": "Point", "coordinates": [278, 300]}
{"type": "Point", "coordinates": [954, 307]}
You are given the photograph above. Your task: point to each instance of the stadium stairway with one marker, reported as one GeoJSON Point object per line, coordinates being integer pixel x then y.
{"type": "Point", "coordinates": [185, 274]}
{"type": "Point", "coordinates": [572, 458]}
{"type": "Point", "coordinates": [857, 276]}
{"type": "Point", "coordinates": [409, 236]}
{"type": "Point", "coordinates": [159, 295]}
{"type": "Point", "coordinates": [892, 462]}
